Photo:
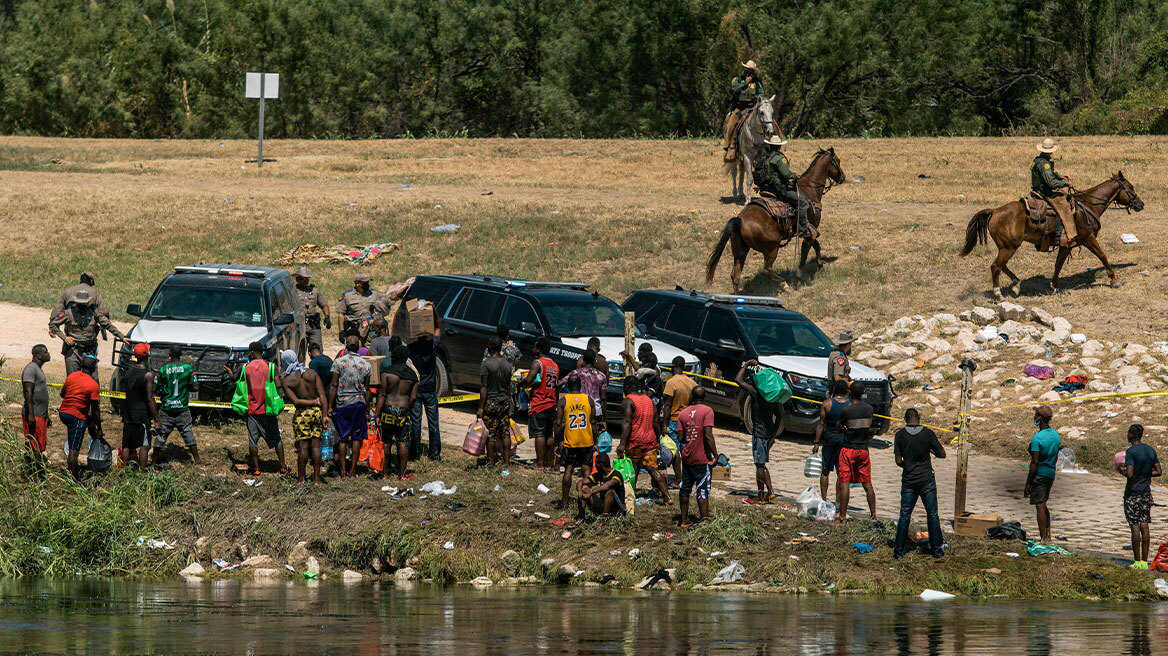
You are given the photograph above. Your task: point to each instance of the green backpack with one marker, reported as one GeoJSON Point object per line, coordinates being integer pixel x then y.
{"type": "Point", "coordinates": [273, 402]}
{"type": "Point", "coordinates": [771, 386]}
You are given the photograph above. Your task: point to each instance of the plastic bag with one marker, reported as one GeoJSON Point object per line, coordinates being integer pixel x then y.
{"type": "Point", "coordinates": [669, 443]}
{"type": "Point", "coordinates": [1035, 549]}
{"type": "Point", "coordinates": [731, 573]}
{"type": "Point", "coordinates": [664, 456]}
{"type": "Point", "coordinates": [372, 450]}
{"type": "Point", "coordinates": [1159, 562]}
{"type": "Point", "coordinates": [100, 455]}
{"type": "Point", "coordinates": [808, 503]}
{"type": "Point", "coordinates": [1066, 460]}
{"type": "Point", "coordinates": [517, 434]}
{"type": "Point", "coordinates": [771, 386]}
{"type": "Point", "coordinates": [438, 488]}
{"type": "Point", "coordinates": [825, 511]}
{"type": "Point", "coordinates": [476, 438]}
{"type": "Point", "coordinates": [604, 442]}
{"type": "Point", "coordinates": [1007, 531]}
{"type": "Point", "coordinates": [625, 467]}
{"type": "Point", "coordinates": [813, 466]}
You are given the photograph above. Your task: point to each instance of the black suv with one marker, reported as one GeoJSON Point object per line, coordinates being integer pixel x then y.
{"type": "Point", "coordinates": [726, 330]}
{"type": "Point", "coordinates": [566, 313]}
{"type": "Point", "coordinates": [215, 311]}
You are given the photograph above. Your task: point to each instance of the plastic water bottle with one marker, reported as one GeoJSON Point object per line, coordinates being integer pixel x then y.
{"type": "Point", "coordinates": [447, 227]}
{"type": "Point", "coordinates": [326, 445]}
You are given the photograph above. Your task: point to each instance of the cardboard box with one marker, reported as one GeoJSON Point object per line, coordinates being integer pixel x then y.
{"type": "Point", "coordinates": [375, 361]}
{"type": "Point", "coordinates": [720, 473]}
{"type": "Point", "coordinates": [975, 524]}
{"type": "Point", "coordinates": [420, 314]}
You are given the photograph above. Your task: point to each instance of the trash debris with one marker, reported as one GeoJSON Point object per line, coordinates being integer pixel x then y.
{"type": "Point", "coordinates": [614, 552]}
{"type": "Point", "coordinates": [251, 482]}
{"type": "Point", "coordinates": [1012, 554]}
{"type": "Point", "coordinates": [1071, 384]}
{"type": "Point", "coordinates": [1129, 238]}
{"type": "Point", "coordinates": [808, 503]}
{"type": "Point", "coordinates": [862, 547]}
{"type": "Point", "coordinates": [1007, 531]}
{"type": "Point", "coordinates": [922, 176]}
{"type": "Point", "coordinates": [45, 549]}
{"type": "Point", "coordinates": [542, 515]}
{"type": "Point", "coordinates": [438, 488]}
{"type": "Point", "coordinates": [1035, 549]}
{"type": "Point", "coordinates": [495, 489]}
{"type": "Point", "coordinates": [454, 506]}
{"type": "Point", "coordinates": [223, 565]}
{"type": "Point", "coordinates": [1038, 371]}
{"type": "Point", "coordinates": [731, 573]}
{"type": "Point", "coordinates": [446, 227]}
{"type": "Point", "coordinates": [1078, 338]}
{"type": "Point", "coordinates": [561, 521]}
{"type": "Point", "coordinates": [992, 570]}
{"type": "Point", "coordinates": [825, 512]}
{"type": "Point", "coordinates": [935, 595]}
{"type": "Point", "coordinates": [307, 253]}
{"type": "Point", "coordinates": [505, 473]}
{"type": "Point", "coordinates": [228, 200]}
{"type": "Point", "coordinates": [1066, 463]}
{"type": "Point", "coordinates": [143, 541]}
{"type": "Point", "coordinates": [856, 248]}
{"type": "Point", "coordinates": [449, 545]}
{"type": "Point", "coordinates": [542, 489]}
{"type": "Point", "coordinates": [290, 568]}
{"type": "Point", "coordinates": [633, 553]}
{"type": "Point", "coordinates": [566, 534]}
{"type": "Point", "coordinates": [311, 574]}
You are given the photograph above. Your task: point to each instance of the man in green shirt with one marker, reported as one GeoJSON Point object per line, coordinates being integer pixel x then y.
{"type": "Point", "coordinates": [173, 384]}
{"type": "Point", "coordinates": [745, 90]}
{"type": "Point", "coordinates": [1045, 184]}
{"type": "Point", "coordinates": [774, 176]}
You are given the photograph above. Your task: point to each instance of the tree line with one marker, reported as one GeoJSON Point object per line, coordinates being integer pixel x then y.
{"type": "Point", "coordinates": [590, 68]}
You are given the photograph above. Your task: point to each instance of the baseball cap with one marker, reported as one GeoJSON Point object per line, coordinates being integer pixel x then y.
{"type": "Point", "coordinates": [141, 349]}
{"type": "Point", "coordinates": [1044, 411]}
{"type": "Point", "coordinates": [302, 272]}
{"type": "Point", "coordinates": [361, 277]}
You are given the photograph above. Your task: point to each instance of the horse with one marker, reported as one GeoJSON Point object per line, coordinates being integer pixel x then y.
{"type": "Point", "coordinates": [1010, 226]}
{"type": "Point", "coordinates": [757, 125]}
{"type": "Point", "coordinates": [754, 228]}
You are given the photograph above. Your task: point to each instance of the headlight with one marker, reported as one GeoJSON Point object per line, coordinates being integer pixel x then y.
{"type": "Point", "coordinates": [616, 370]}
{"type": "Point", "coordinates": [238, 356]}
{"type": "Point", "coordinates": [807, 382]}
{"type": "Point", "coordinates": [694, 368]}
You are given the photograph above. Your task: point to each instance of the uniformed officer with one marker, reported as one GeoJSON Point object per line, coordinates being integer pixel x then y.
{"type": "Point", "coordinates": [89, 284]}
{"type": "Point", "coordinates": [839, 367]}
{"type": "Point", "coordinates": [745, 90]}
{"type": "Point", "coordinates": [82, 321]}
{"type": "Point", "coordinates": [314, 306]}
{"type": "Point", "coordinates": [774, 175]}
{"type": "Point", "coordinates": [357, 308]}
{"type": "Point", "coordinates": [1044, 184]}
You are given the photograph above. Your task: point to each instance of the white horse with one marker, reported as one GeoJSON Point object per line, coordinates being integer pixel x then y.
{"type": "Point", "coordinates": [757, 125]}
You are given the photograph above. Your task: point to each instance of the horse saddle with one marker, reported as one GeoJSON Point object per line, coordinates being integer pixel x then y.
{"type": "Point", "coordinates": [779, 210]}
{"type": "Point", "coordinates": [1043, 215]}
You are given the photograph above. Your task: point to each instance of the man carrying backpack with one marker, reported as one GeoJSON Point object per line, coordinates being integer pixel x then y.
{"type": "Point", "coordinates": [766, 425]}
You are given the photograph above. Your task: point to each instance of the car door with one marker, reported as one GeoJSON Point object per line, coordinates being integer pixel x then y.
{"type": "Point", "coordinates": [278, 304]}
{"type": "Point", "coordinates": [677, 324]}
{"type": "Point", "coordinates": [525, 324]}
{"type": "Point", "coordinates": [471, 321]}
{"type": "Point", "coordinates": [719, 343]}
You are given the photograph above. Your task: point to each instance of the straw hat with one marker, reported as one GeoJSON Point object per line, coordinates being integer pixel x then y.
{"type": "Point", "coordinates": [752, 66]}
{"type": "Point", "coordinates": [775, 140]}
{"type": "Point", "coordinates": [1047, 146]}
{"type": "Point", "coordinates": [302, 272]}
{"type": "Point", "coordinates": [844, 338]}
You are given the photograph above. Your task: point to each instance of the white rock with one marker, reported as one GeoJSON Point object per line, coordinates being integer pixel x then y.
{"type": "Point", "coordinates": [944, 360]}
{"type": "Point", "coordinates": [1117, 363]}
{"type": "Point", "coordinates": [903, 322]}
{"type": "Point", "coordinates": [1049, 396]}
{"type": "Point", "coordinates": [918, 339]}
{"type": "Point", "coordinates": [964, 316]}
{"type": "Point", "coordinates": [1034, 349]}
{"type": "Point", "coordinates": [932, 399]}
{"type": "Point", "coordinates": [1134, 387]}
{"type": "Point", "coordinates": [896, 352]}
{"type": "Point", "coordinates": [944, 318]}
{"type": "Point", "coordinates": [1055, 337]}
{"type": "Point", "coordinates": [1042, 317]}
{"type": "Point", "coordinates": [1060, 323]}
{"type": "Point", "coordinates": [938, 345]}
{"type": "Point", "coordinates": [1148, 361]}
{"type": "Point", "coordinates": [878, 363]}
{"type": "Point", "coordinates": [350, 575]}
{"type": "Point", "coordinates": [982, 316]}
{"type": "Point", "coordinates": [1007, 310]}
{"type": "Point", "coordinates": [1074, 434]}
{"type": "Point", "coordinates": [988, 376]}
{"type": "Point", "coordinates": [1132, 350]}
{"type": "Point", "coordinates": [937, 378]}
{"type": "Point", "coordinates": [1078, 338]}
{"type": "Point", "coordinates": [482, 582]}
{"type": "Point", "coordinates": [194, 569]}
{"type": "Point", "coordinates": [258, 561]}
{"type": "Point", "coordinates": [995, 394]}
{"type": "Point", "coordinates": [1011, 329]}
{"type": "Point", "coordinates": [265, 573]}
{"type": "Point", "coordinates": [867, 355]}
{"type": "Point", "coordinates": [1090, 362]}
{"type": "Point", "coordinates": [1128, 371]}
{"type": "Point", "coordinates": [311, 564]}
{"type": "Point", "coordinates": [1092, 348]}
{"type": "Point", "coordinates": [405, 574]}
{"type": "Point", "coordinates": [901, 367]}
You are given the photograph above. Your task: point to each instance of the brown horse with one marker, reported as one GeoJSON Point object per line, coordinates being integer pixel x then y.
{"type": "Point", "coordinates": [754, 228]}
{"type": "Point", "coordinates": [1010, 227]}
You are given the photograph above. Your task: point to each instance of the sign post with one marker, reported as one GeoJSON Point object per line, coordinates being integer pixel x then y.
{"type": "Point", "coordinates": [262, 86]}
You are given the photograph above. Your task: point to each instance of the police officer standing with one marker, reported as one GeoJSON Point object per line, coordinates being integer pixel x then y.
{"type": "Point", "coordinates": [314, 307]}
{"type": "Point", "coordinates": [839, 367]}
{"type": "Point", "coordinates": [82, 319]}
{"type": "Point", "coordinates": [357, 308]}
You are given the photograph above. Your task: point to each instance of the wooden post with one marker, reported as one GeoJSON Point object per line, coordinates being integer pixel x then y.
{"type": "Point", "coordinates": [630, 343]}
{"type": "Point", "coordinates": [965, 406]}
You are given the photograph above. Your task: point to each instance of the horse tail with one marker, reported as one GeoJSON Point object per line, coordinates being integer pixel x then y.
{"type": "Point", "coordinates": [977, 231]}
{"type": "Point", "coordinates": [733, 226]}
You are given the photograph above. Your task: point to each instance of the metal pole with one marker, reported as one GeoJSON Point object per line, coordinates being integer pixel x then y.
{"type": "Point", "coordinates": [967, 367]}
{"type": "Point", "coordinates": [260, 157]}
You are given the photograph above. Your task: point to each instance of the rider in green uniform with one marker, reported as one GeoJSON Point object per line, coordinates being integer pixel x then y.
{"type": "Point", "coordinates": [745, 90]}
{"type": "Point", "coordinates": [1045, 184]}
{"type": "Point", "coordinates": [775, 177]}
{"type": "Point", "coordinates": [173, 384]}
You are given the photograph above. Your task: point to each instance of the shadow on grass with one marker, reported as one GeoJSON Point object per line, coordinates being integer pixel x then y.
{"type": "Point", "coordinates": [1039, 285]}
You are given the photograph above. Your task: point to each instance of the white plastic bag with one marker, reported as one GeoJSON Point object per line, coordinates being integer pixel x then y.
{"type": "Point", "coordinates": [808, 503]}
{"type": "Point", "coordinates": [438, 488]}
{"type": "Point", "coordinates": [1066, 462]}
{"type": "Point", "coordinates": [825, 512]}
{"type": "Point", "coordinates": [731, 573]}
{"type": "Point", "coordinates": [935, 595]}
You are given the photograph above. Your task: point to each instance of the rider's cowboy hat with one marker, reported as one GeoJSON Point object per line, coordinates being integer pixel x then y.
{"type": "Point", "coordinates": [752, 66]}
{"type": "Point", "coordinates": [775, 140]}
{"type": "Point", "coordinates": [844, 338]}
{"type": "Point", "coordinates": [1047, 146]}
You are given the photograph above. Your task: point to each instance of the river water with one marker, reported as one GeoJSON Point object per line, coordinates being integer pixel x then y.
{"type": "Point", "coordinates": [232, 617]}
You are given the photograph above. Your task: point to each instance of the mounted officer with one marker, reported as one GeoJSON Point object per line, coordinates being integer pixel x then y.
{"type": "Point", "coordinates": [774, 176]}
{"type": "Point", "coordinates": [314, 306]}
{"type": "Point", "coordinates": [82, 320]}
{"type": "Point", "coordinates": [1045, 185]}
{"type": "Point", "coordinates": [357, 308]}
{"type": "Point", "coordinates": [745, 90]}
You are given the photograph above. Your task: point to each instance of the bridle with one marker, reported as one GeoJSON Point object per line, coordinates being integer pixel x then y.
{"type": "Point", "coordinates": [830, 181]}
{"type": "Point", "coordinates": [1125, 185]}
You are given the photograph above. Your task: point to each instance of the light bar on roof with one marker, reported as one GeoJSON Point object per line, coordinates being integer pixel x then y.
{"type": "Point", "coordinates": [747, 300]}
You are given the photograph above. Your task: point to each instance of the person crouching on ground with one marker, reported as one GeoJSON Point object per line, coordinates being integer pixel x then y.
{"type": "Point", "coordinates": [911, 448]}
{"type": "Point", "coordinates": [576, 424]}
{"type": "Point", "coordinates": [855, 464]}
{"type": "Point", "coordinates": [1044, 448]}
{"type": "Point", "coordinates": [696, 425]}
{"type": "Point", "coordinates": [1140, 464]}
{"type": "Point", "coordinates": [305, 391]}
{"type": "Point", "coordinates": [603, 492]}
{"type": "Point", "coordinates": [639, 435]}
{"type": "Point", "coordinates": [395, 398]}
{"type": "Point", "coordinates": [764, 429]}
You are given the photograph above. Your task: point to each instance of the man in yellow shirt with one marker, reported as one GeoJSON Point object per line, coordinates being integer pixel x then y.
{"type": "Point", "coordinates": [673, 399]}
{"type": "Point", "coordinates": [576, 424]}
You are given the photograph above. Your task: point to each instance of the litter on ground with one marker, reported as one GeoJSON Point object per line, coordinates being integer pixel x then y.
{"type": "Point", "coordinates": [438, 488]}
{"type": "Point", "coordinates": [731, 573]}
{"type": "Point", "coordinates": [307, 253]}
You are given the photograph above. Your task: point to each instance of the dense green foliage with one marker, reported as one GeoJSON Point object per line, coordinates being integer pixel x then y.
{"type": "Point", "coordinates": [383, 68]}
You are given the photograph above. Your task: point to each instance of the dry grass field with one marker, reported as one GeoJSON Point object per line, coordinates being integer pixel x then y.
{"type": "Point", "coordinates": [619, 214]}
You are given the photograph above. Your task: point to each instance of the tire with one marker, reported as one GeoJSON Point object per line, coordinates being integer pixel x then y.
{"type": "Point", "coordinates": [747, 413]}
{"type": "Point", "coordinates": [441, 377]}
{"type": "Point", "coordinates": [115, 385]}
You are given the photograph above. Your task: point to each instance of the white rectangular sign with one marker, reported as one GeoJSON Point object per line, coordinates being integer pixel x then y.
{"type": "Point", "coordinates": [271, 85]}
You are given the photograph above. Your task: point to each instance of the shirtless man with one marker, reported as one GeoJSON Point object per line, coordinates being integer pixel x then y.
{"type": "Point", "coordinates": [397, 393]}
{"type": "Point", "coordinates": [305, 390]}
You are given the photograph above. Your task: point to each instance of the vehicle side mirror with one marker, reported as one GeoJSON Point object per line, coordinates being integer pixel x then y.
{"type": "Point", "coordinates": [283, 319]}
{"type": "Point", "coordinates": [134, 310]}
{"type": "Point", "coordinates": [730, 345]}
{"type": "Point", "coordinates": [643, 328]}
{"type": "Point", "coordinates": [529, 327]}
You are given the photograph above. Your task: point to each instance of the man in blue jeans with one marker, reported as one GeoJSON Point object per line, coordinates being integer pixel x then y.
{"type": "Point", "coordinates": [912, 447]}
{"type": "Point", "coordinates": [424, 355]}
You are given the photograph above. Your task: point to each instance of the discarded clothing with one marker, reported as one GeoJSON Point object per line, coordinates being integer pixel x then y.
{"type": "Point", "coordinates": [731, 573]}
{"type": "Point", "coordinates": [306, 253]}
{"type": "Point", "coordinates": [1071, 384]}
{"type": "Point", "coordinates": [1007, 531]}
{"type": "Point", "coordinates": [1035, 549]}
{"type": "Point", "coordinates": [1039, 372]}
{"type": "Point", "coordinates": [862, 547]}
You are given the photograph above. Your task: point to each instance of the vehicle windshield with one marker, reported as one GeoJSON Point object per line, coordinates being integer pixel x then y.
{"type": "Point", "coordinates": [772, 337]}
{"type": "Point", "coordinates": [585, 317]}
{"type": "Point", "coordinates": [182, 303]}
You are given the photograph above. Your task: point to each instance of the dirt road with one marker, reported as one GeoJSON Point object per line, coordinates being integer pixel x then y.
{"type": "Point", "coordinates": [21, 328]}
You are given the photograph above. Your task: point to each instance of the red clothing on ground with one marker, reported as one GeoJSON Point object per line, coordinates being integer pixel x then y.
{"type": "Point", "coordinates": [692, 422]}
{"type": "Point", "coordinates": [80, 389]}
{"type": "Point", "coordinates": [544, 396]}
{"type": "Point", "coordinates": [257, 378]}
{"type": "Point", "coordinates": [642, 435]}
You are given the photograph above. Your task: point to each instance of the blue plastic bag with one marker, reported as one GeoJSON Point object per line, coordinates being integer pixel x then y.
{"type": "Point", "coordinates": [604, 442]}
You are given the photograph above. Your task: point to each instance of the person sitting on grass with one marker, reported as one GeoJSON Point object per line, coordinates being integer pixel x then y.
{"type": "Point", "coordinates": [639, 435]}
{"type": "Point", "coordinates": [603, 492]}
{"type": "Point", "coordinates": [577, 427]}
{"type": "Point", "coordinates": [697, 427]}
{"type": "Point", "coordinates": [305, 391]}
{"type": "Point", "coordinates": [397, 393]}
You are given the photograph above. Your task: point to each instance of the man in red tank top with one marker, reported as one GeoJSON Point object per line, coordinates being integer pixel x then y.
{"type": "Point", "coordinates": [639, 434]}
{"type": "Point", "coordinates": [542, 380]}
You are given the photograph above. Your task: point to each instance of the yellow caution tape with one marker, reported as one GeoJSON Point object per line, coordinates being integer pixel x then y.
{"type": "Point", "coordinates": [1096, 397]}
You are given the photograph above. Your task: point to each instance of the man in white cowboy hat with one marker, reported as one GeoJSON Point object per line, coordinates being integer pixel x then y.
{"type": "Point", "coordinates": [1044, 183]}
{"type": "Point", "coordinates": [745, 90]}
{"type": "Point", "coordinates": [838, 365]}
{"type": "Point", "coordinates": [773, 175]}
